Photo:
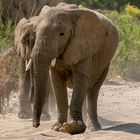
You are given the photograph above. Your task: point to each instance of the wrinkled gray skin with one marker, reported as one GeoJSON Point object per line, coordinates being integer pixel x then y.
{"type": "Point", "coordinates": [17, 9]}
{"type": "Point", "coordinates": [83, 42]}
{"type": "Point", "coordinates": [23, 31]}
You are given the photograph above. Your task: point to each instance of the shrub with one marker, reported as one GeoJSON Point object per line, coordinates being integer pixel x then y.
{"type": "Point", "coordinates": [127, 59]}
{"type": "Point", "coordinates": [132, 10]}
{"type": "Point", "coordinates": [105, 4]}
{"type": "Point", "coordinates": [6, 34]}
{"type": "Point", "coordinates": [8, 63]}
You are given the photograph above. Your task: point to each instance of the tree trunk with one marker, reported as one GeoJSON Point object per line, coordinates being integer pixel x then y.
{"type": "Point", "coordinates": [17, 9]}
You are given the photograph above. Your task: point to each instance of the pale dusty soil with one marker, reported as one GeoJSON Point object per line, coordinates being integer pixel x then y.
{"type": "Point", "coordinates": [119, 114]}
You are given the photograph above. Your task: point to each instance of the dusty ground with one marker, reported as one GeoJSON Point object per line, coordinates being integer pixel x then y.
{"type": "Point", "coordinates": [119, 114]}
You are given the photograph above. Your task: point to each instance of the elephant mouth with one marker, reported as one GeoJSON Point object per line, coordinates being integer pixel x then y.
{"type": "Point", "coordinates": [29, 64]}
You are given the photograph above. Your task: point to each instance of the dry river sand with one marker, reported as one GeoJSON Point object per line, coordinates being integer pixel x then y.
{"type": "Point", "coordinates": [119, 115]}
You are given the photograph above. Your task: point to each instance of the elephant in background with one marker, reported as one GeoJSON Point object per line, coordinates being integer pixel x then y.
{"type": "Point", "coordinates": [77, 44]}
{"type": "Point", "coordinates": [24, 31]}
{"type": "Point", "coordinates": [17, 9]}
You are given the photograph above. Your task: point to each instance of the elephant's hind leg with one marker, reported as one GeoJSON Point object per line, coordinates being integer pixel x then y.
{"type": "Point", "coordinates": [92, 98]}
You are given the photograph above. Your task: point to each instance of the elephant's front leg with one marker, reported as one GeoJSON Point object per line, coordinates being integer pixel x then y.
{"type": "Point", "coordinates": [60, 89]}
{"type": "Point", "coordinates": [24, 87]}
{"type": "Point", "coordinates": [77, 124]}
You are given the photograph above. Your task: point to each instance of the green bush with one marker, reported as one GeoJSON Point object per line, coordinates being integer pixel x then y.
{"type": "Point", "coordinates": [6, 34]}
{"type": "Point", "coordinates": [132, 10]}
{"type": "Point", "coordinates": [127, 59]}
{"type": "Point", "coordinates": [105, 4]}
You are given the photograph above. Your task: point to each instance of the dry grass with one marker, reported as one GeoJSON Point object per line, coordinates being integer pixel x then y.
{"type": "Point", "coordinates": [8, 75]}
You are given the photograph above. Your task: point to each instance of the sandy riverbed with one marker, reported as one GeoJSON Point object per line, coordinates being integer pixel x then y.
{"type": "Point", "coordinates": [119, 114]}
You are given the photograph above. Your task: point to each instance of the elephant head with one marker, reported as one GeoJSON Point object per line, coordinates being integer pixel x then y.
{"type": "Point", "coordinates": [24, 37]}
{"type": "Point", "coordinates": [71, 33]}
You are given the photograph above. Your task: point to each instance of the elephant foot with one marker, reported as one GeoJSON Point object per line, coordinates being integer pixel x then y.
{"type": "Point", "coordinates": [58, 126]}
{"type": "Point", "coordinates": [45, 117]}
{"type": "Point", "coordinates": [24, 115]}
{"type": "Point", "coordinates": [94, 128]}
{"type": "Point", "coordinates": [75, 127]}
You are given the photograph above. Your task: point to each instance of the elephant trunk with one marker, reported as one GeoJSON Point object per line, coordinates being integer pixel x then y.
{"type": "Point", "coordinates": [41, 72]}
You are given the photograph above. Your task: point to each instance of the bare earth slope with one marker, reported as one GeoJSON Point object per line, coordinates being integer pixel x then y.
{"type": "Point", "coordinates": [119, 114]}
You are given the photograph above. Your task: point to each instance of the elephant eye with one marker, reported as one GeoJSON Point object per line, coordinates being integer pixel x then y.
{"type": "Point", "coordinates": [61, 34]}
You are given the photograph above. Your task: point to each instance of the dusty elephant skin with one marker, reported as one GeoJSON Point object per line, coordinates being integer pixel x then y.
{"type": "Point", "coordinates": [83, 43]}
{"type": "Point", "coordinates": [24, 41]}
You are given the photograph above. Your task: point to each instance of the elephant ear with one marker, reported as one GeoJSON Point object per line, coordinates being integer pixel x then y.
{"type": "Point", "coordinates": [88, 36]}
{"type": "Point", "coordinates": [17, 37]}
{"type": "Point", "coordinates": [21, 36]}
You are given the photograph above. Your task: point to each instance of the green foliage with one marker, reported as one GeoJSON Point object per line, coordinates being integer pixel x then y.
{"type": "Point", "coordinates": [6, 34]}
{"type": "Point", "coordinates": [132, 10]}
{"type": "Point", "coordinates": [105, 4]}
{"type": "Point", "coordinates": [127, 59]}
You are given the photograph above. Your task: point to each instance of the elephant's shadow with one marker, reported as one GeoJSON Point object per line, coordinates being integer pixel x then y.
{"type": "Point", "coordinates": [133, 128]}
{"type": "Point", "coordinates": [108, 125]}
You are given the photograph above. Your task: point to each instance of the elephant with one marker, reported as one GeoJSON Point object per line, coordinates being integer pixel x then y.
{"type": "Point", "coordinates": [26, 87]}
{"type": "Point", "coordinates": [76, 45]}
{"type": "Point", "coordinates": [17, 9]}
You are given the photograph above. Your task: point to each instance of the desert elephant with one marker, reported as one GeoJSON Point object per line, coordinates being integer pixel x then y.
{"type": "Point", "coordinates": [77, 44]}
{"type": "Point", "coordinates": [24, 30]}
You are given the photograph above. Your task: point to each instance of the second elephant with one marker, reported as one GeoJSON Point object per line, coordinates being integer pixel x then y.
{"type": "Point", "coordinates": [26, 86]}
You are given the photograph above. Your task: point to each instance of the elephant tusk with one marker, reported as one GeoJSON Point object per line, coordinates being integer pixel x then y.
{"type": "Point", "coordinates": [53, 62]}
{"type": "Point", "coordinates": [28, 66]}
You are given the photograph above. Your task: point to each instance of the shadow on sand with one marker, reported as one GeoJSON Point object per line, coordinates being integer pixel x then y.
{"type": "Point", "coordinates": [133, 128]}
{"type": "Point", "coordinates": [108, 125]}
